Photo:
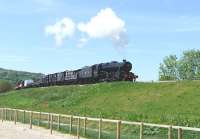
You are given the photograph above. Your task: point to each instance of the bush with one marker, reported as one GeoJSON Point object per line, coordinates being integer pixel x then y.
{"type": "Point", "coordinates": [5, 86]}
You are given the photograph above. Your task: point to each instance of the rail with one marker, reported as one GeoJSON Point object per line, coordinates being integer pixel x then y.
{"type": "Point", "coordinates": [83, 126]}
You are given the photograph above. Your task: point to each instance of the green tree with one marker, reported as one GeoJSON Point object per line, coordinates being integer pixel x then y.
{"type": "Point", "coordinates": [189, 65]}
{"type": "Point", "coordinates": [187, 68]}
{"type": "Point", "coordinates": [169, 68]}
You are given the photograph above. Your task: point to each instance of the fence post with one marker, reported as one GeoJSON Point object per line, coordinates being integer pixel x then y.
{"type": "Point", "coordinates": [49, 120]}
{"type": "Point", "coordinates": [15, 116]}
{"type": "Point", "coordinates": [5, 114]}
{"type": "Point", "coordinates": [10, 112]}
{"type": "Point", "coordinates": [39, 119]}
{"type": "Point", "coordinates": [31, 116]}
{"type": "Point", "coordinates": [78, 128]}
{"type": "Point", "coordinates": [51, 125]}
{"type": "Point", "coordinates": [2, 114]}
{"type": "Point", "coordinates": [71, 123]}
{"type": "Point", "coordinates": [85, 125]}
{"type": "Point", "coordinates": [59, 122]}
{"type": "Point", "coordinates": [100, 127]}
{"type": "Point", "coordinates": [118, 129]}
{"type": "Point", "coordinates": [170, 132]}
{"type": "Point", "coordinates": [141, 130]}
{"type": "Point", "coordinates": [180, 133]}
{"type": "Point", "coordinates": [24, 117]}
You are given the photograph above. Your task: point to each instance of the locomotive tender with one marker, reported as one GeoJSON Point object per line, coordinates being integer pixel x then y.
{"type": "Point", "coordinates": [112, 71]}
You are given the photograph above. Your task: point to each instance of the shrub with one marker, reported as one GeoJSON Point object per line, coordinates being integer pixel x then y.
{"type": "Point", "coordinates": [5, 86]}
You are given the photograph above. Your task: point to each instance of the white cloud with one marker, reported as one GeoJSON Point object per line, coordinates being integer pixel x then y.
{"type": "Point", "coordinates": [61, 30]}
{"type": "Point", "coordinates": [106, 24]}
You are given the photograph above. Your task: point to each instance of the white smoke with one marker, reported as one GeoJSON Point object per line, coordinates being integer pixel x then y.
{"type": "Point", "coordinates": [106, 24]}
{"type": "Point", "coordinates": [61, 30]}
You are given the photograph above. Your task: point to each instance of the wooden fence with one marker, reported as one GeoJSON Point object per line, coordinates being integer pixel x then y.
{"type": "Point", "coordinates": [53, 119]}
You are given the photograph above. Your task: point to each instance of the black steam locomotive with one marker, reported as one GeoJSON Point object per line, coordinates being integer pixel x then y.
{"type": "Point", "coordinates": [112, 71]}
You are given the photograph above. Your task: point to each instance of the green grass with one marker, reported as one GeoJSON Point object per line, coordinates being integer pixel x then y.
{"type": "Point", "coordinates": [167, 103]}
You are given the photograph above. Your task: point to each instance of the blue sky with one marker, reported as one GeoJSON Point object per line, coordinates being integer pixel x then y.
{"type": "Point", "coordinates": [154, 29]}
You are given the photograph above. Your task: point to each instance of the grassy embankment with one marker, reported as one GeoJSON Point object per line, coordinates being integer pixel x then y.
{"type": "Point", "coordinates": [166, 103]}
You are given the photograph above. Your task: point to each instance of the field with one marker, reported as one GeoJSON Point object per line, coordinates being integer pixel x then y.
{"type": "Point", "coordinates": [167, 103]}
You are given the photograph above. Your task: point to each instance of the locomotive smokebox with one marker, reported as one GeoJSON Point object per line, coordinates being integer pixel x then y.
{"type": "Point", "coordinates": [127, 66]}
